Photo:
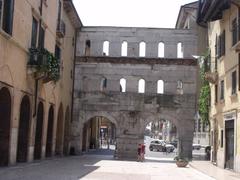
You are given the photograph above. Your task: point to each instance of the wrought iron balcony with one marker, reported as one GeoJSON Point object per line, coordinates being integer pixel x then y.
{"type": "Point", "coordinates": [61, 29]}
{"type": "Point", "coordinates": [46, 65]}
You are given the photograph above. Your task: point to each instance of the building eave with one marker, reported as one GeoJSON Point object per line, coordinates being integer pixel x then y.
{"type": "Point", "coordinates": [72, 13]}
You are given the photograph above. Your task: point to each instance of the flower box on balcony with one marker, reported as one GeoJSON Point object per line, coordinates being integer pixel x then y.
{"type": "Point", "coordinates": [46, 65]}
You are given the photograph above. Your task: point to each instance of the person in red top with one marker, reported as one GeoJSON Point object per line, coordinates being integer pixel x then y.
{"type": "Point", "coordinates": [139, 151]}
{"type": "Point", "coordinates": [142, 152]}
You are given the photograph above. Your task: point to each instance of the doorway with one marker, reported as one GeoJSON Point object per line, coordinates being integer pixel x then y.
{"type": "Point", "coordinates": [229, 137]}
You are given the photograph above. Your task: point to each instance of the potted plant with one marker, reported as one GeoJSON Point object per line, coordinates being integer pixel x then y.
{"type": "Point", "coordinates": [180, 161]}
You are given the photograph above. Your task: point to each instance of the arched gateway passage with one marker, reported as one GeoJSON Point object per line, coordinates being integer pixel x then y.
{"type": "Point", "coordinates": [5, 116]}
{"type": "Point", "coordinates": [161, 139]}
{"type": "Point", "coordinates": [98, 133]}
{"type": "Point", "coordinates": [23, 130]}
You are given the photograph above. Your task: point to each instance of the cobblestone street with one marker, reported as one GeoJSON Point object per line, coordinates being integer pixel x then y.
{"type": "Point", "coordinates": [102, 167]}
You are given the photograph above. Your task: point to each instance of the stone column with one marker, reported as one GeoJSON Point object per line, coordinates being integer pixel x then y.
{"type": "Point", "coordinates": [185, 147]}
{"type": "Point", "coordinates": [76, 131]}
{"type": "Point", "coordinates": [185, 139]}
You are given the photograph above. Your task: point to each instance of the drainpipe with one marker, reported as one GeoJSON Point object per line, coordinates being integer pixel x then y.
{"type": "Point", "coordinates": [37, 80]}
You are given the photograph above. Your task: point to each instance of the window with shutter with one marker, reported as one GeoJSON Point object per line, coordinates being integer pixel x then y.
{"type": "Point", "coordinates": [216, 93]}
{"type": "Point", "coordinates": [1, 12]}
{"type": "Point", "coordinates": [222, 90]}
{"type": "Point", "coordinates": [223, 47]}
{"type": "Point", "coordinates": [34, 33]}
{"type": "Point", "coordinates": [58, 53]}
{"type": "Point", "coordinates": [234, 32]}
{"type": "Point", "coordinates": [7, 16]}
{"type": "Point", "coordinates": [41, 38]}
{"type": "Point", "coordinates": [234, 82]}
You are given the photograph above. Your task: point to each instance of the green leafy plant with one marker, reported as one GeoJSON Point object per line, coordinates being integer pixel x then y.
{"type": "Point", "coordinates": [204, 98]}
{"type": "Point", "coordinates": [45, 63]}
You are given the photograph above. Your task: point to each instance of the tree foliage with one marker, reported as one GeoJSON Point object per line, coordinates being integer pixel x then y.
{"type": "Point", "coordinates": [204, 98]}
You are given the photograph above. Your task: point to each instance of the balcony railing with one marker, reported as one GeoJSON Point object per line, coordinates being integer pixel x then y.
{"type": "Point", "coordinates": [46, 65]}
{"type": "Point", "coordinates": [61, 29]}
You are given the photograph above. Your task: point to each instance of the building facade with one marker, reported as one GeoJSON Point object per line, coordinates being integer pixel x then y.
{"type": "Point", "coordinates": [222, 18]}
{"type": "Point", "coordinates": [37, 40]}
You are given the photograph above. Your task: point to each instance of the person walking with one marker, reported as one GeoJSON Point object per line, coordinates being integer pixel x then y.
{"type": "Point", "coordinates": [139, 151]}
{"type": "Point", "coordinates": [142, 152]}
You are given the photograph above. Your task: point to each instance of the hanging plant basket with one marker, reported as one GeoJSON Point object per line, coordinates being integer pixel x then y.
{"type": "Point", "coordinates": [181, 163]}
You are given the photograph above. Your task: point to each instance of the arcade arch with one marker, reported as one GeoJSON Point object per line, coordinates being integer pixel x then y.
{"type": "Point", "coordinates": [99, 132]}
{"type": "Point", "coordinates": [38, 132]}
{"type": "Point", "coordinates": [49, 142]}
{"type": "Point", "coordinates": [23, 130]}
{"type": "Point", "coordinates": [5, 114]}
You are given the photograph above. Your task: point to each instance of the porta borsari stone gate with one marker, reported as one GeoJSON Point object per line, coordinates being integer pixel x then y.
{"type": "Point", "coordinates": [97, 90]}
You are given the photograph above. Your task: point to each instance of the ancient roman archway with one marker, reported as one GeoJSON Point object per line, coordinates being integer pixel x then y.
{"type": "Point", "coordinates": [23, 130]}
{"type": "Point", "coordinates": [99, 132]}
{"type": "Point", "coordinates": [5, 114]}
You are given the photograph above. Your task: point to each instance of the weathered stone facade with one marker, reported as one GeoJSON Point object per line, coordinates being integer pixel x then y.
{"type": "Point", "coordinates": [131, 111]}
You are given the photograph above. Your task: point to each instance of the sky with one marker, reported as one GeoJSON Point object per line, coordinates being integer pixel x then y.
{"type": "Point", "coordinates": [129, 13]}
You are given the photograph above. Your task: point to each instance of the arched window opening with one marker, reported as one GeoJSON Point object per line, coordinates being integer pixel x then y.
{"type": "Point", "coordinates": [103, 84]}
{"type": "Point", "coordinates": [142, 49]}
{"type": "Point", "coordinates": [160, 87]}
{"type": "Point", "coordinates": [179, 87]}
{"type": "Point", "coordinates": [87, 47]}
{"type": "Point", "coordinates": [105, 48]}
{"type": "Point", "coordinates": [179, 50]}
{"type": "Point", "coordinates": [141, 86]}
{"type": "Point", "coordinates": [161, 47]}
{"type": "Point", "coordinates": [124, 48]}
{"type": "Point", "coordinates": [122, 85]}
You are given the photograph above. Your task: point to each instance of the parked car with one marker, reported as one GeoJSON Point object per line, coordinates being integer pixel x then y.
{"type": "Point", "coordinates": [174, 143]}
{"type": "Point", "coordinates": [160, 145]}
{"type": "Point", "coordinates": [196, 146]}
